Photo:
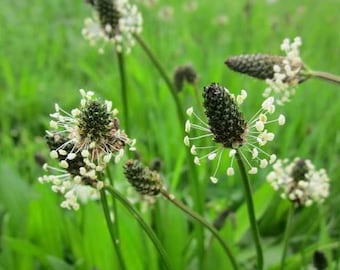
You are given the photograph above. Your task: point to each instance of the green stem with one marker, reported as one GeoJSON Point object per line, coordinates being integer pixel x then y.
{"type": "Point", "coordinates": [203, 222]}
{"type": "Point", "coordinates": [123, 89]}
{"type": "Point", "coordinates": [143, 224]}
{"type": "Point", "coordinates": [286, 236]}
{"type": "Point", "coordinates": [115, 224]}
{"type": "Point", "coordinates": [251, 211]}
{"type": "Point", "coordinates": [181, 119]}
{"type": "Point", "coordinates": [112, 229]}
{"type": "Point", "coordinates": [165, 77]}
{"type": "Point", "coordinates": [324, 76]}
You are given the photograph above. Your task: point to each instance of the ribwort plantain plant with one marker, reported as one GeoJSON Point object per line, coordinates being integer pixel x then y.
{"type": "Point", "coordinates": [85, 143]}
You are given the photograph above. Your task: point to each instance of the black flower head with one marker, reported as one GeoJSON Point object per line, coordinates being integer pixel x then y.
{"type": "Point", "coordinates": [224, 118]}
{"type": "Point", "coordinates": [258, 65]}
{"type": "Point", "coordinates": [299, 170]}
{"type": "Point", "coordinates": [184, 73]}
{"type": "Point", "coordinates": [95, 122]}
{"type": "Point", "coordinates": [320, 260]}
{"type": "Point", "coordinates": [108, 15]}
{"type": "Point", "coordinates": [144, 180]}
{"type": "Point", "coordinates": [93, 129]}
{"type": "Point", "coordinates": [261, 66]}
{"type": "Point", "coordinates": [229, 130]}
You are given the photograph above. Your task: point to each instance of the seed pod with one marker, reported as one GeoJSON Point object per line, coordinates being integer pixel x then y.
{"type": "Point", "coordinates": [144, 180]}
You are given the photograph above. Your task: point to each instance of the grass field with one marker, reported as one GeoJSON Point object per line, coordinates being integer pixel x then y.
{"type": "Point", "coordinates": [45, 60]}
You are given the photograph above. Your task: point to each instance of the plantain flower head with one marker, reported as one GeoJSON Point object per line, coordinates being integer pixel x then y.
{"type": "Point", "coordinates": [288, 74]}
{"type": "Point", "coordinates": [299, 181]}
{"type": "Point", "coordinates": [228, 131]}
{"type": "Point", "coordinates": [143, 179]}
{"type": "Point", "coordinates": [83, 143]}
{"type": "Point", "coordinates": [281, 73]}
{"type": "Point", "coordinates": [115, 22]}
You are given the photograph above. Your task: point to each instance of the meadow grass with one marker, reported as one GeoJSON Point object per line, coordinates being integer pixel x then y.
{"type": "Point", "coordinates": [44, 60]}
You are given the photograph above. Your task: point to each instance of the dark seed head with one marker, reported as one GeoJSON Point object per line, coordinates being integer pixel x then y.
{"type": "Point", "coordinates": [56, 141]}
{"type": "Point", "coordinates": [184, 73]}
{"type": "Point", "coordinates": [261, 66]}
{"type": "Point", "coordinates": [299, 170]}
{"type": "Point", "coordinates": [144, 180]}
{"type": "Point", "coordinates": [95, 122]}
{"type": "Point", "coordinates": [256, 65]}
{"type": "Point", "coordinates": [320, 260]}
{"type": "Point", "coordinates": [224, 118]}
{"type": "Point", "coordinates": [108, 15]}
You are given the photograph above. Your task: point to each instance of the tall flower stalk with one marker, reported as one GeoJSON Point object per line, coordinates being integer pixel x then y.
{"type": "Point", "coordinates": [152, 236]}
{"type": "Point", "coordinates": [114, 24]}
{"type": "Point", "coordinates": [113, 229]}
{"type": "Point", "coordinates": [227, 131]}
{"type": "Point", "coordinates": [286, 236]}
{"type": "Point", "coordinates": [251, 211]}
{"type": "Point", "coordinates": [123, 89]}
{"type": "Point", "coordinates": [164, 75]}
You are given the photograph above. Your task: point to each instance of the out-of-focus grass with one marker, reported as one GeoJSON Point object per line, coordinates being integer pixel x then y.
{"type": "Point", "coordinates": [44, 60]}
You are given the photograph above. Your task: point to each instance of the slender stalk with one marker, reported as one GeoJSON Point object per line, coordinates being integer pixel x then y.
{"type": "Point", "coordinates": [198, 205]}
{"type": "Point", "coordinates": [286, 236]}
{"type": "Point", "coordinates": [251, 211]}
{"type": "Point", "coordinates": [181, 119]}
{"type": "Point", "coordinates": [123, 90]}
{"type": "Point", "coordinates": [203, 222]}
{"type": "Point", "coordinates": [115, 224]}
{"type": "Point", "coordinates": [165, 77]}
{"type": "Point", "coordinates": [324, 76]}
{"type": "Point", "coordinates": [111, 227]}
{"type": "Point", "coordinates": [143, 224]}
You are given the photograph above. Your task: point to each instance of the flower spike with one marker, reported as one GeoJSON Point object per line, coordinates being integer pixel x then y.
{"type": "Point", "coordinates": [299, 181]}
{"type": "Point", "coordinates": [115, 23]}
{"type": "Point", "coordinates": [83, 142]}
{"type": "Point", "coordinates": [229, 131]}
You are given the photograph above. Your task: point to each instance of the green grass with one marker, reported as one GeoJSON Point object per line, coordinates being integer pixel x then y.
{"type": "Point", "coordinates": [44, 60]}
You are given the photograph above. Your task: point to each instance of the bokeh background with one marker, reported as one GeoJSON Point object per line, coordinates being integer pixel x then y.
{"type": "Point", "coordinates": [45, 60]}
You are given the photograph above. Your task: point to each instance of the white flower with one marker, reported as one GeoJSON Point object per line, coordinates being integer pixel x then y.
{"type": "Point", "coordinates": [299, 181]}
{"type": "Point", "coordinates": [227, 131]}
{"type": "Point", "coordinates": [93, 130]}
{"type": "Point", "coordinates": [83, 142]}
{"type": "Point", "coordinates": [74, 187]}
{"type": "Point", "coordinates": [286, 77]}
{"type": "Point", "coordinates": [114, 24]}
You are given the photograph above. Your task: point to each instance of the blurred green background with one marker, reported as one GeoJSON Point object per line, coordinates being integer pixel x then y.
{"type": "Point", "coordinates": [45, 60]}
